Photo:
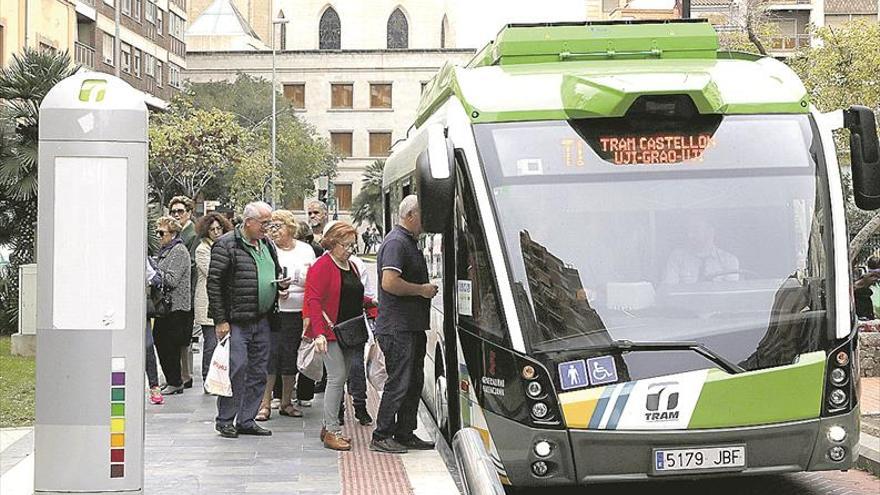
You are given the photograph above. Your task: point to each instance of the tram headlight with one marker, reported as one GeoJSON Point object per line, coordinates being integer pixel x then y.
{"type": "Point", "coordinates": [534, 390]}
{"type": "Point", "coordinates": [542, 448]}
{"type": "Point", "coordinates": [837, 397]}
{"type": "Point", "coordinates": [528, 372]}
{"type": "Point", "coordinates": [539, 410]}
{"type": "Point", "coordinates": [836, 453]}
{"type": "Point", "coordinates": [838, 376]}
{"type": "Point", "coordinates": [842, 358]}
{"type": "Point", "coordinates": [836, 434]}
{"type": "Point", "coordinates": [540, 468]}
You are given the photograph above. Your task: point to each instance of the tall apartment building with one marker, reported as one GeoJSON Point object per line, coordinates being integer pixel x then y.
{"type": "Point", "coordinates": [152, 49]}
{"type": "Point", "coordinates": [39, 24]}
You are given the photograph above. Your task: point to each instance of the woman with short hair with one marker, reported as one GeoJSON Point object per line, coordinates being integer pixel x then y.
{"type": "Point", "coordinates": [295, 257]}
{"type": "Point", "coordinates": [334, 293]}
{"type": "Point", "coordinates": [173, 330]}
{"type": "Point", "coordinates": [208, 229]}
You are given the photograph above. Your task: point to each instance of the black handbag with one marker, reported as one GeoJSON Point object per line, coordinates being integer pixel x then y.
{"type": "Point", "coordinates": [158, 305]}
{"type": "Point", "coordinates": [351, 332]}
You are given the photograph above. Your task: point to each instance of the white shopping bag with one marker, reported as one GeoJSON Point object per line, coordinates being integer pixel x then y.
{"type": "Point", "coordinates": [218, 382]}
{"type": "Point", "coordinates": [374, 365]}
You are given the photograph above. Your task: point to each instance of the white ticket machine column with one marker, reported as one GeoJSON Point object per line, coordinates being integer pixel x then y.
{"type": "Point", "coordinates": [89, 431]}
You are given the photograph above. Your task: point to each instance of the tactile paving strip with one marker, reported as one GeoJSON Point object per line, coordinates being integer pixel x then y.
{"type": "Point", "coordinates": [363, 471]}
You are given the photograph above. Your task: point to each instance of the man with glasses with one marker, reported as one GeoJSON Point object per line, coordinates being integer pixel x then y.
{"type": "Point", "coordinates": [317, 213]}
{"type": "Point", "coordinates": [244, 281]}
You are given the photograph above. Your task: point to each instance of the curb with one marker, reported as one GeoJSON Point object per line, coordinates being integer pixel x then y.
{"type": "Point", "coordinates": [869, 453]}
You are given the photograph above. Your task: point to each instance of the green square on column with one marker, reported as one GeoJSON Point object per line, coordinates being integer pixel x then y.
{"type": "Point", "coordinates": [117, 394]}
{"type": "Point", "coordinates": [117, 409]}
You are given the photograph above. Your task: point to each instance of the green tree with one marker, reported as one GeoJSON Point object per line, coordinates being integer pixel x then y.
{"type": "Point", "coordinates": [843, 69]}
{"type": "Point", "coordinates": [367, 206]}
{"type": "Point", "coordinates": [189, 147]}
{"type": "Point", "coordinates": [302, 155]}
{"type": "Point", "coordinates": [23, 85]}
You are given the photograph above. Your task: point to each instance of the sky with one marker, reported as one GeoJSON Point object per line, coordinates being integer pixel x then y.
{"type": "Point", "coordinates": [480, 20]}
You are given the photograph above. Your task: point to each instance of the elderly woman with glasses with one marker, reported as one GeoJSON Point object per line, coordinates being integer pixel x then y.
{"type": "Point", "coordinates": [334, 293]}
{"type": "Point", "coordinates": [174, 329]}
{"type": "Point", "coordinates": [208, 229]}
{"type": "Point", "coordinates": [295, 258]}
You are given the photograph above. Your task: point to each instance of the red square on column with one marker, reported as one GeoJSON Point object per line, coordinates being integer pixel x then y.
{"type": "Point", "coordinates": [117, 455]}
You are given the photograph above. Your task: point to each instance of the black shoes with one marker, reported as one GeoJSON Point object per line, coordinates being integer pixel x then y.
{"type": "Point", "coordinates": [363, 417]}
{"type": "Point", "coordinates": [226, 431]}
{"type": "Point", "coordinates": [256, 430]}
{"type": "Point", "coordinates": [415, 443]}
{"type": "Point", "coordinates": [387, 446]}
{"type": "Point", "coordinates": [188, 383]}
{"type": "Point", "coordinates": [171, 389]}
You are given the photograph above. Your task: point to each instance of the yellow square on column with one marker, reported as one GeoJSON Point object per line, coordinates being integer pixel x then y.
{"type": "Point", "coordinates": [117, 425]}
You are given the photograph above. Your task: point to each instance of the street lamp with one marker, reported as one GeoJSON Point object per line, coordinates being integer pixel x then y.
{"type": "Point", "coordinates": [277, 21]}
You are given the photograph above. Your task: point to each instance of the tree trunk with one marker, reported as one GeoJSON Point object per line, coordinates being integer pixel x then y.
{"type": "Point", "coordinates": [750, 30]}
{"type": "Point", "coordinates": [858, 242]}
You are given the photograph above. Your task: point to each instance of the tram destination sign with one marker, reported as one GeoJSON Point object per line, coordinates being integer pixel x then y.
{"type": "Point", "coordinates": [655, 149]}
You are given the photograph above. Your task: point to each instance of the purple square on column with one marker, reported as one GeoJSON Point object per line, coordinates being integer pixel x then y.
{"type": "Point", "coordinates": [118, 378]}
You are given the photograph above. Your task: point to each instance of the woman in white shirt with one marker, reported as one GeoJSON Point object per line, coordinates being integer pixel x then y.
{"type": "Point", "coordinates": [295, 258]}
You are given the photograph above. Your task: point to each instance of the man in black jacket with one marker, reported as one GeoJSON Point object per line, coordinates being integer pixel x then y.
{"type": "Point", "coordinates": [243, 290]}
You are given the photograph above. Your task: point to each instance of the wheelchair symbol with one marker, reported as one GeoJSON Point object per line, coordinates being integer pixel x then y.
{"type": "Point", "coordinates": [602, 370]}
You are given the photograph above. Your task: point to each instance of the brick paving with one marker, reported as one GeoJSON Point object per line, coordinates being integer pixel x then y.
{"type": "Point", "coordinates": [387, 475]}
{"type": "Point", "coordinates": [870, 396]}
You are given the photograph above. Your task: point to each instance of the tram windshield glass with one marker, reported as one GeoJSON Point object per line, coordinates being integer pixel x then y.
{"type": "Point", "coordinates": [711, 230]}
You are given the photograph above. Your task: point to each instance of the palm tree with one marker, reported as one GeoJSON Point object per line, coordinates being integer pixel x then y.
{"type": "Point", "coordinates": [367, 206]}
{"type": "Point", "coordinates": [23, 85]}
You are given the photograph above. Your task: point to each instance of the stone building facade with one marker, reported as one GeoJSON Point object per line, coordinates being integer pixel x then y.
{"type": "Point", "coordinates": [354, 70]}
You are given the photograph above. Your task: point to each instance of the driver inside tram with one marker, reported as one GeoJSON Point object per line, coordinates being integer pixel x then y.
{"type": "Point", "coordinates": [698, 259]}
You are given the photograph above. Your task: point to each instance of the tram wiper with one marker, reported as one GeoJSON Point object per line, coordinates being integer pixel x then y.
{"type": "Point", "coordinates": [630, 346]}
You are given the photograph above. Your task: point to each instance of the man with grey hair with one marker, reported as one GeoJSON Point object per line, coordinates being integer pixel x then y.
{"type": "Point", "coordinates": [404, 298]}
{"type": "Point", "coordinates": [316, 211]}
{"type": "Point", "coordinates": [244, 283]}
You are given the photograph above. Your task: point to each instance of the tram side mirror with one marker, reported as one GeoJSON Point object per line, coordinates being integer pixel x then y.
{"type": "Point", "coordinates": [865, 153]}
{"type": "Point", "coordinates": [436, 181]}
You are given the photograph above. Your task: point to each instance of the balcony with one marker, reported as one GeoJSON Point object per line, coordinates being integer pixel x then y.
{"type": "Point", "coordinates": [789, 43]}
{"type": "Point", "coordinates": [83, 54]}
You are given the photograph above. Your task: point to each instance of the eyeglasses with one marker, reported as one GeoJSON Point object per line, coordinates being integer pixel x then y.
{"type": "Point", "coordinates": [160, 233]}
{"type": "Point", "coordinates": [273, 226]}
{"type": "Point", "coordinates": [178, 211]}
{"type": "Point", "coordinates": [348, 245]}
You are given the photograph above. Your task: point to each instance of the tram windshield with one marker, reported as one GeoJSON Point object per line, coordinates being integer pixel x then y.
{"type": "Point", "coordinates": [711, 230]}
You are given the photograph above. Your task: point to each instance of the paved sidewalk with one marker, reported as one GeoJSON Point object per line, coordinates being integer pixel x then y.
{"type": "Point", "coordinates": [184, 455]}
{"type": "Point", "coordinates": [869, 399]}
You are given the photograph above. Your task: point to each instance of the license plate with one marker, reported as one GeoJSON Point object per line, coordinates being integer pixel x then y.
{"type": "Point", "coordinates": [703, 459]}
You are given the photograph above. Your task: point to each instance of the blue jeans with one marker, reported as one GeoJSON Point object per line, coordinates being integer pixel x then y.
{"type": "Point", "coordinates": [248, 360]}
{"type": "Point", "coordinates": [209, 343]}
{"type": "Point", "coordinates": [404, 362]}
{"type": "Point", "coordinates": [357, 379]}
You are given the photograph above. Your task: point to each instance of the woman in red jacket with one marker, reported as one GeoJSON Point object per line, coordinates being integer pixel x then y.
{"type": "Point", "coordinates": [334, 293]}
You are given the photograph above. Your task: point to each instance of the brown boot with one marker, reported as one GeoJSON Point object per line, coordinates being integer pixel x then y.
{"type": "Point", "coordinates": [335, 441]}
{"type": "Point", "coordinates": [324, 433]}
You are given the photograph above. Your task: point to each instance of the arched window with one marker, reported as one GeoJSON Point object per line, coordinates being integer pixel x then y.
{"type": "Point", "coordinates": [398, 30]}
{"type": "Point", "coordinates": [444, 29]}
{"type": "Point", "coordinates": [283, 29]}
{"type": "Point", "coordinates": [330, 31]}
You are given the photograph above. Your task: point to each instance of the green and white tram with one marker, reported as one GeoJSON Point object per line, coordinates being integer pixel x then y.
{"type": "Point", "coordinates": [642, 252]}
